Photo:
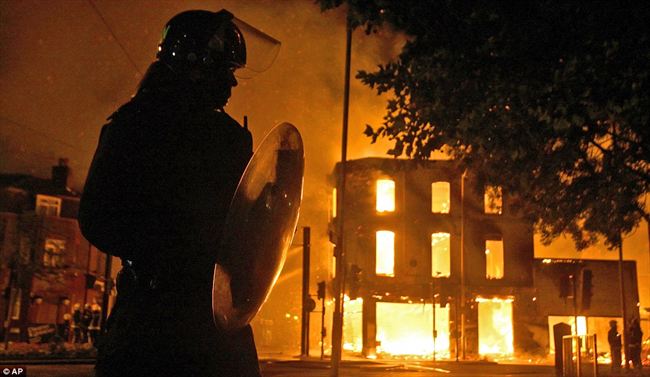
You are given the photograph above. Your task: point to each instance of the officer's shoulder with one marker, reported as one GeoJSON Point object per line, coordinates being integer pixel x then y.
{"type": "Point", "coordinates": [226, 120]}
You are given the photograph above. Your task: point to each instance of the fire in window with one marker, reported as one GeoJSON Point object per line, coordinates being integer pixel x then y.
{"type": "Point", "coordinates": [440, 259]}
{"type": "Point", "coordinates": [407, 329]}
{"type": "Point", "coordinates": [495, 330]}
{"type": "Point", "coordinates": [494, 259]}
{"type": "Point", "coordinates": [493, 200]}
{"type": "Point", "coordinates": [385, 195]}
{"type": "Point", "coordinates": [48, 205]}
{"type": "Point", "coordinates": [334, 203]}
{"type": "Point", "coordinates": [440, 197]}
{"type": "Point", "coordinates": [352, 324]}
{"type": "Point", "coordinates": [385, 253]}
{"type": "Point", "coordinates": [53, 253]}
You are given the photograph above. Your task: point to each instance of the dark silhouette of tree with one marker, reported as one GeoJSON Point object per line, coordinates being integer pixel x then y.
{"type": "Point", "coordinates": [549, 100]}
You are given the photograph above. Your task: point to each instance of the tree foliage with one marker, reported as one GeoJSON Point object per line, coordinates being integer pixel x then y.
{"type": "Point", "coordinates": [549, 100]}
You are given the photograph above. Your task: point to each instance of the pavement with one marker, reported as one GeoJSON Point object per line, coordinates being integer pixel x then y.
{"type": "Point", "coordinates": [314, 367]}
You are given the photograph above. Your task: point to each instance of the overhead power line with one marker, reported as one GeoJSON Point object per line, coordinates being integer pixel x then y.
{"type": "Point", "coordinates": [40, 133]}
{"type": "Point", "coordinates": [108, 27]}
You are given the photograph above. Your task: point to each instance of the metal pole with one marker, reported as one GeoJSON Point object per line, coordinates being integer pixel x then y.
{"type": "Point", "coordinates": [462, 266]}
{"type": "Point", "coordinates": [595, 355]}
{"type": "Point", "coordinates": [339, 281]}
{"type": "Point", "coordinates": [304, 329]}
{"type": "Point", "coordinates": [574, 282]}
{"type": "Point", "coordinates": [433, 305]}
{"type": "Point", "coordinates": [87, 273]}
{"type": "Point", "coordinates": [621, 285]}
{"type": "Point", "coordinates": [9, 308]}
{"type": "Point", "coordinates": [322, 329]}
{"type": "Point", "coordinates": [456, 325]}
{"type": "Point", "coordinates": [108, 285]}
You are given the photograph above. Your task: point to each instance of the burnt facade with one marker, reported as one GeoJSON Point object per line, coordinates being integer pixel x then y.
{"type": "Point", "coordinates": [46, 265]}
{"type": "Point", "coordinates": [421, 232]}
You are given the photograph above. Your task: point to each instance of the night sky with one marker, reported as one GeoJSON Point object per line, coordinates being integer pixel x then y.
{"type": "Point", "coordinates": [62, 73]}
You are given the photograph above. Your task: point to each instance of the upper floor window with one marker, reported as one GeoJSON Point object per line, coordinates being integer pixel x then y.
{"type": "Point", "coordinates": [493, 200]}
{"type": "Point", "coordinates": [385, 253]}
{"type": "Point", "coordinates": [385, 195]}
{"type": "Point", "coordinates": [494, 259]}
{"type": "Point", "coordinates": [334, 198]}
{"type": "Point", "coordinates": [440, 197]}
{"type": "Point", "coordinates": [48, 205]}
{"type": "Point", "coordinates": [53, 253]}
{"type": "Point", "coordinates": [440, 256]}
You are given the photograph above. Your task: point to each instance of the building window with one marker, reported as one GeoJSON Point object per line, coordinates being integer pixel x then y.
{"type": "Point", "coordinates": [494, 259]}
{"type": "Point", "coordinates": [440, 256]}
{"type": "Point", "coordinates": [440, 197]}
{"type": "Point", "coordinates": [493, 200]}
{"type": "Point", "coordinates": [385, 195]}
{"type": "Point", "coordinates": [334, 202]}
{"type": "Point", "coordinates": [48, 205]}
{"type": "Point", "coordinates": [53, 253]}
{"type": "Point", "coordinates": [385, 253]}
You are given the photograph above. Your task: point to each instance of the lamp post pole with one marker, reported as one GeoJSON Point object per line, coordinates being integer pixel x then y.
{"type": "Point", "coordinates": [339, 280]}
{"type": "Point", "coordinates": [462, 268]}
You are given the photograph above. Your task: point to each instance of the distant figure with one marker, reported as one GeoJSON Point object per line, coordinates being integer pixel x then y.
{"type": "Point", "coordinates": [635, 341]}
{"type": "Point", "coordinates": [67, 326]}
{"type": "Point", "coordinates": [86, 318]}
{"type": "Point", "coordinates": [76, 323]}
{"type": "Point", "coordinates": [93, 328]}
{"type": "Point", "coordinates": [615, 345]}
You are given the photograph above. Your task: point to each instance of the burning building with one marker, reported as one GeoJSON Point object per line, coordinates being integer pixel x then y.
{"type": "Point", "coordinates": [420, 233]}
{"type": "Point", "coordinates": [46, 265]}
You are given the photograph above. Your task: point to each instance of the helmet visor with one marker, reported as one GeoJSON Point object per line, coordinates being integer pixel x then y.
{"type": "Point", "coordinates": [261, 50]}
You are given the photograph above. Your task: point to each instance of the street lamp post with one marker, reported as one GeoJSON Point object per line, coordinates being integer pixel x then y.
{"type": "Point", "coordinates": [339, 281]}
{"type": "Point", "coordinates": [462, 267]}
{"type": "Point", "coordinates": [433, 303]}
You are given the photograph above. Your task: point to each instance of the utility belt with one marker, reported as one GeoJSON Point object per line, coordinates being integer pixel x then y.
{"type": "Point", "coordinates": [152, 283]}
{"type": "Point", "coordinates": [133, 281]}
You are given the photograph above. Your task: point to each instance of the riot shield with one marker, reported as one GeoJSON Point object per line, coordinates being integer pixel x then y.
{"type": "Point", "coordinates": [259, 228]}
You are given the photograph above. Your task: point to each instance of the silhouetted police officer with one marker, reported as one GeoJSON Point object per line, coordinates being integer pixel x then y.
{"type": "Point", "coordinates": [157, 193]}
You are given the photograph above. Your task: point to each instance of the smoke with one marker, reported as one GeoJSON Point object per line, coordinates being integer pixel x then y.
{"type": "Point", "coordinates": [63, 72]}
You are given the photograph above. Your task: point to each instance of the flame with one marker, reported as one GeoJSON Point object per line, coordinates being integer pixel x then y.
{"type": "Point", "coordinates": [440, 197]}
{"type": "Point", "coordinates": [407, 329]}
{"type": "Point", "coordinates": [352, 325]}
{"type": "Point", "coordinates": [385, 253]}
{"type": "Point", "coordinates": [385, 195]}
{"type": "Point", "coordinates": [494, 259]}
{"type": "Point", "coordinates": [440, 259]}
{"type": "Point", "coordinates": [495, 331]}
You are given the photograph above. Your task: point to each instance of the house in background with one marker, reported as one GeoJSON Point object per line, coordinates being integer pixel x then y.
{"type": "Point", "coordinates": [46, 265]}
{"type": "Point", "coordinates": [420, 232]}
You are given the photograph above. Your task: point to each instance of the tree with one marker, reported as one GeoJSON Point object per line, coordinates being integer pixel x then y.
{"type": "Point", "coordinates": [548, 100]}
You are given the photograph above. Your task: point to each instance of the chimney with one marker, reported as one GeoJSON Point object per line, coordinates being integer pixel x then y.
{"type": "Point", "coordinates": [60, 175]}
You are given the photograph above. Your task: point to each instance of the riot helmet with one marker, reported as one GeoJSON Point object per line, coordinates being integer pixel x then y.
{"type": "Point", "coordinates": [204, 40]}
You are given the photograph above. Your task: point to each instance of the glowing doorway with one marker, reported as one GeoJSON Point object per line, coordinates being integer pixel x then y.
{"type": "Point", "coordinates": [407, 329]}
{"type": "Point", "coordinates": [495, 334]}
{"type": "Point", "coordinates": [352, 325]}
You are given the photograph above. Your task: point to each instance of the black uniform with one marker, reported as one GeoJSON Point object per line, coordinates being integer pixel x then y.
{"type": "Point", "coordinates": [157, 193]}
{"type": "Point", "coordinates": [615, 346]}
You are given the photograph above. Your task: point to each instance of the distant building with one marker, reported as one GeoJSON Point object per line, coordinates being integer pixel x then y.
{"type": "Point", "coordinates": [46, 265]}
{"type": "Point", "coordinates": [406, 223]}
